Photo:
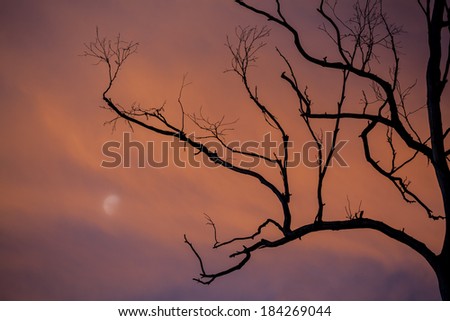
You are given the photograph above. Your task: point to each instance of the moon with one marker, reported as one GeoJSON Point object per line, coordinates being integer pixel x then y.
{"type": "Point", "coordinates": [111, 204]}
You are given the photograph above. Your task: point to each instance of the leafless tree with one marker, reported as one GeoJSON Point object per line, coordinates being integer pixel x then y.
{"type": "Point", "coordinates": [357, 40]}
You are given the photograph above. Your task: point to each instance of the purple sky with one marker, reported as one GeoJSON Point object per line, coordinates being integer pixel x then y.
{"type": "Point", "coordinates": [57, 242]}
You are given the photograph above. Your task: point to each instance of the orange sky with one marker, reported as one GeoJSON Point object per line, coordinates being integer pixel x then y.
{"type": "Point", "coordinates": [57, 242]}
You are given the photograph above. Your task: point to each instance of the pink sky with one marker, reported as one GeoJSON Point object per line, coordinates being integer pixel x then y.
{"type": "Point", "coordinates": [57, 242]}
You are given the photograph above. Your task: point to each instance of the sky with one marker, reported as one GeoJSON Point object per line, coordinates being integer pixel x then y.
{"type": "Point", "coordinates": [71, 229]}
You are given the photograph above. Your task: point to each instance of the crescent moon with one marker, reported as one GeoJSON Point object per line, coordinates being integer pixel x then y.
{"type": "Point", "coordinates": [111, 203]}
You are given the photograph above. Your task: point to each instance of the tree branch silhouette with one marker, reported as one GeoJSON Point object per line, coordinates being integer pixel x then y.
{"type": "Point", "coordinates": [357, 41]}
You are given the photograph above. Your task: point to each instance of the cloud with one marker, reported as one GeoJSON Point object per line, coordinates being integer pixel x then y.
{"type": "Point", "coordinates": [56, 240]}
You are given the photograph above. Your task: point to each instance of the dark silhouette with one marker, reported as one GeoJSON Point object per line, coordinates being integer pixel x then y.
{"type": "Point", "coordinates": [357, 41]}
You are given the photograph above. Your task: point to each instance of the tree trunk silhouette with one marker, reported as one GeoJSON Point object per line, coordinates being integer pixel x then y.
{"type": "Point", "coordinates": [435, 86]}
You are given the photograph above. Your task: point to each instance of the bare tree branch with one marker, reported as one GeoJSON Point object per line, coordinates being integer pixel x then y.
{"type": "Point", "coordinates": [352, 224]}
{"type": "Point", "coordinates": [358, 41]}
{"type": "Point", "coordinates": [243, 238]}
{"type": "Point", "coordinates": [217, 130]}
{"type": "Point", "coordinates": [360, 72]}
{"type": "Point", "coordinates": [112, 53]}
{"type": "Point", "coordinates": [250, 41]}
{"type": "Point", "coordinates": [399, 183]}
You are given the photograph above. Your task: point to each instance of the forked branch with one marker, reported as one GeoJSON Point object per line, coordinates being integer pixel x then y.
{"type": "Point", "coordinates": [353, 224]}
